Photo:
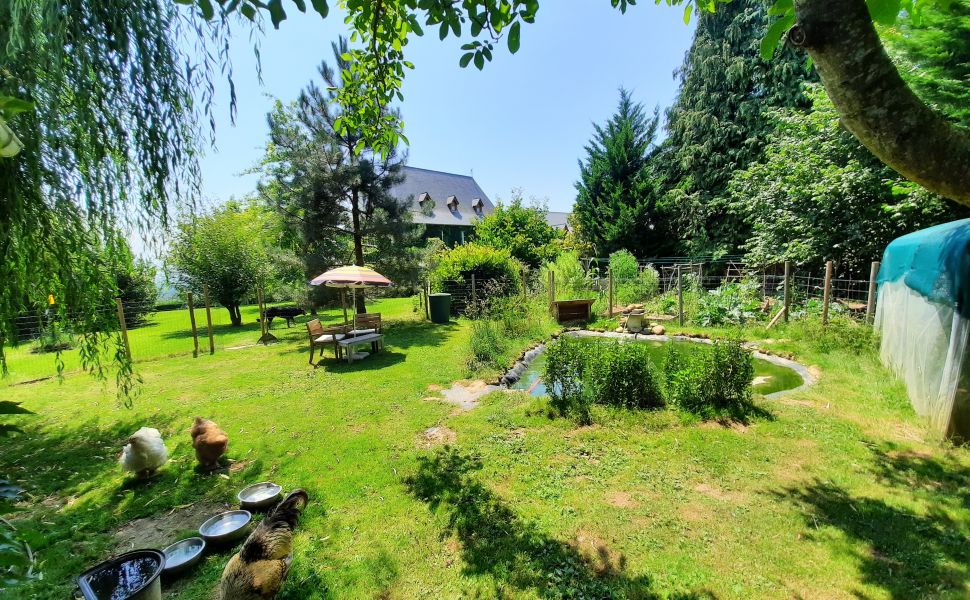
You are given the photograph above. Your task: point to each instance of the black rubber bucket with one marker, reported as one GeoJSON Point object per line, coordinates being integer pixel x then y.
{"type": "Point", "coordinates": [131, 576]}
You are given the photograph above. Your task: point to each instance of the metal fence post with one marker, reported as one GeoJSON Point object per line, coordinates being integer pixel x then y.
{"type": "Point", "coordinates": [827, 292]}
{"type": "Point", "coordinates": [787, 307]}
{"type": "Point", "coordinates": [871, 300]}
{"type": "Point", "coordinates": [208, 320]}
{"type": "Point", "coordinates": [680, 296]}
{"type": "Point", "coordinates": [426, 291]}
{"type": "Point", "coordinates": [195, 333]}
{"type": "Point", "coordinates": [124, 327]}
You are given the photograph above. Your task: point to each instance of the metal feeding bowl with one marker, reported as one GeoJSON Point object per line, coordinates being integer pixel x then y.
{"type": "Point", "coordinates": [226, 527]}
{"type": "Point", "coordinates": [259, 495]}
{"type": "Point", "coordinates": [183, 554]}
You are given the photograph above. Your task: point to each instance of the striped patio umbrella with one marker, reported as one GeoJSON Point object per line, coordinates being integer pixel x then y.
{"type": "Point", "coordinates": [352, 277]}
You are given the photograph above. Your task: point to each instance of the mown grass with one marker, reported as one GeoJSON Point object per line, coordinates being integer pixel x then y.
{"type": "Point", "coordinates": [838, 492]}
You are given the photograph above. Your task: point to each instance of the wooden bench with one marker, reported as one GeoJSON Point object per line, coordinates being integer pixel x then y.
{"type": "Point", "coordinates": [376, 340]}
{"type": "Point", "coordinates": [567, 311]}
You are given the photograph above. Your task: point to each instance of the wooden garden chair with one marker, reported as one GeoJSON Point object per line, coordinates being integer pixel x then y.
{"type": "Point", "coordinates": [322, 337]}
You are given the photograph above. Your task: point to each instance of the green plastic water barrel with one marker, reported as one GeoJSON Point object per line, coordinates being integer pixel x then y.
{"type": "Point", "coordinates": [440, 305]}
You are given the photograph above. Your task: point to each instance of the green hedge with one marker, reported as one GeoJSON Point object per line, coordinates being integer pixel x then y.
{"type": "Point", "coordinates": [709, 381]}
{"type": "Point", "coordinates": [461, 262]}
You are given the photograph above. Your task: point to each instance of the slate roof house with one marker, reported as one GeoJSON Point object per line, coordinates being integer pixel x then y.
{"type": "Point", "coordinates": [446, 203]}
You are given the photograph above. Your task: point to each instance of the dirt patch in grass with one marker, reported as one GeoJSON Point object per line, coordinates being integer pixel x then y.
{"type": "Point", "coordinates": [694, 512]}
{"type": "Point", "coordinates": [434, 387]}
{"type": "Point", "coordinates": [712, 491]}
{"type": "Point", "coordinates": [621, 500]}
{"type": "Point", "coordinates": [597, 554]}
{"type": "Point", "coordinates": [436, 436]}
{"type": "Point", "coordinates": [465, 394]}
{"type": "Point", "coordinates": [165, 528]}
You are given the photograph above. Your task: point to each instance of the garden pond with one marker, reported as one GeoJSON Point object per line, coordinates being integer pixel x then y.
{"type": "Point", "coordinates": [769, 378]}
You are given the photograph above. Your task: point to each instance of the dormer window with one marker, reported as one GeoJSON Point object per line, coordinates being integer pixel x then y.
{"type": "Point", "coordinates": [478, 206]}
{"type": "Point", "coordinates": [453, 203]}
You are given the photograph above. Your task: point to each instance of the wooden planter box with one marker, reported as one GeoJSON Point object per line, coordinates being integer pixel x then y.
{"type": "Point", "coordinates": [571, 311]}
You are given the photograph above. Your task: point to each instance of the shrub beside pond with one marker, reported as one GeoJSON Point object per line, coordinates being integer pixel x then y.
{"type": "Point", "coordinates": [714, 381]}
{"type": "Point", "coordinates": [708, 381]}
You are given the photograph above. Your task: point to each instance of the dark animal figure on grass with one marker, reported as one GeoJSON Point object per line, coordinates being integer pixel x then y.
{"type": "Point", "coordinates": [284, 312]}
{"type": "Point", "coordinates": [258, 570]}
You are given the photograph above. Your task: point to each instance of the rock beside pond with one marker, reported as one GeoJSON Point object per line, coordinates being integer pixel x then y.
{"type": "Point", "coordinates": [619, 330]}
{"type": "Point", "coordinates": [658, 330]}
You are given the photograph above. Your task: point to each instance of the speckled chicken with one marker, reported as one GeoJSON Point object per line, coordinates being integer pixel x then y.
{"type": "Point", "coordinates": [210, 443]}
{"type": "Point", "coordinates": [144, 453]}
{"type": "Point", "coordinates": [258, 570]}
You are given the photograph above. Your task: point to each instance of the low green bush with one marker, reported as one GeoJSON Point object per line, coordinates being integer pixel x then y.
{"type": "Point", "coordinates": [710, 382]}
{"type": "Point", "coordinates": [641, 288]}
{"type": "Point", "coordinates": [622, 374]}
{"type": "Point", "coordinates": [487, 345]}
{"type": "Point", "coordinates": [840, 333]}
{"type": "Point", "coordinates": [729, 304]}
{"type": "Point", "coordinates": [566, 360]}
{"type": "Point", "coordinates": [570, 278]}
{"type": "Point", "coordinates": [624, 265]}
{"type": "Point", "coordinates": [486, 264]}
{"type": "Point", "coordinates": [579, 374]}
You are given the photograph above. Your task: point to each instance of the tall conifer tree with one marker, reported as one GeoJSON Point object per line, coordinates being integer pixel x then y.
{"type": "Point", "coordinates": [718, 122]}
{"type": "Point", "coordinates": [617, 200]}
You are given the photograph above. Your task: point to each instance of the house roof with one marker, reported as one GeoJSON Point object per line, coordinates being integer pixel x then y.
{"type": "Point", "coordinates": [430, 193]}
{"type": "Point", "coordinates": [559, 220]}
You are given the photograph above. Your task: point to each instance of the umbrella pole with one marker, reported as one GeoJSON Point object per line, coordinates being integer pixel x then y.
{"type": "Point", "coordinates": [353, 292]}
{"type": "Point", "coordinates": [343, 303]}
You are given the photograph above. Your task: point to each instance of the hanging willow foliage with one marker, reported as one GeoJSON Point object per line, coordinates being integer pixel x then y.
{"type": "Point", "coordinates": [112, 140]}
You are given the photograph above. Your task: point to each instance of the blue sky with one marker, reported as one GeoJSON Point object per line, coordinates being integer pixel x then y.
{"type": "Point", "coordinates": [520, 123]}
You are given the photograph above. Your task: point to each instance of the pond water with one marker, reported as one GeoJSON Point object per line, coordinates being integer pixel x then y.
{"type": "Point", "coordinates": [768, 377]}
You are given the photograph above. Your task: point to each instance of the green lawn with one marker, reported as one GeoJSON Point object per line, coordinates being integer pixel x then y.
{"type": "Point", "coordinates": [839, 493]}
{"type": "Point", "coordinates": [169, 333]}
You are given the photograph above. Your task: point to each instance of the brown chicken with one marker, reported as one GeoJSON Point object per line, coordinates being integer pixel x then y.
{"type": "Point", "coordinates": [210, 443]}
{"type": "Point", "coordinates": [258, 570]}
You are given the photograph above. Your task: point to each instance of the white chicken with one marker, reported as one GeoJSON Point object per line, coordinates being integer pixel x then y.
{"type": "Point", "coordinates": [144, 453]}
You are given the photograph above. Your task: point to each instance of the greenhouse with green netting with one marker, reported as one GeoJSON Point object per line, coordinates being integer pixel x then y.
{"type": "Point", "coordinates": [924, 316]}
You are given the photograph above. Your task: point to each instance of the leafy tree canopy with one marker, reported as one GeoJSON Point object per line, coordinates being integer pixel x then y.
{"type": "Point", "coordinates": [523, 230]}
{"type": "Point", "coordinates": [718, 122]}
{"type": "Point", "coordinates": [226, 250]}
{"type": "Point", "coordinates": [932, 51]}
{"type": "Point", "coordinates": [99, 94]}
{"type": "Point", "coordinates": [819, 195]}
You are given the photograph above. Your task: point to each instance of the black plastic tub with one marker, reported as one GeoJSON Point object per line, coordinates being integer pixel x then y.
{"type": "Point", "coordinates": [131, 576]}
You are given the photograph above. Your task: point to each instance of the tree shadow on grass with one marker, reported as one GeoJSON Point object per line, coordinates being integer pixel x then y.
{"type": "Point", "coordinates": [496, 541]}
{"type": "Point", "coordinates": [944, 479]}
{"type": "Point", "coordinates": [908, 554]}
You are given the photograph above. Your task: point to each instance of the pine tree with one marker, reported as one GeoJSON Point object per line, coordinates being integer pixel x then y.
{"type": "Point", "coordinates": [616, 205]}
{"type": "Point", "coordinates": [334, 194]}
{"type": "Point", "coordinates": [933, 56]}
{"type": "Point", "coordinates": [718, 123]}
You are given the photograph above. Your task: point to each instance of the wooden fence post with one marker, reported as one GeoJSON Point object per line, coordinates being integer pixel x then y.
{"type": "Point", "coordinates": [700, 276]}
{"type": "Point", "coordinates": [787, 306]}
{"type": "Point", "coordinates": [871, 300]}
{"type": "Point", "coordinates": [195, 333]}
{"type": "Point", "coordinates": [474, 289]}
{"type": "Point", "coordinates": [208, 320]}
{"type": "Point", "coordinates": [680, 296]}
{"type": "Point", "coordinates": [427, 293]}
{"type": "Point", "coordinates": [552, 289]}
{"type": "Point", "coordinates": [609, 281]}
{"type": "Point", "coordinates": [827, 292]}
{"type": "Point", "coordinates": [525, 284]}
{"type": "Point", "coordinates": [124, 327]}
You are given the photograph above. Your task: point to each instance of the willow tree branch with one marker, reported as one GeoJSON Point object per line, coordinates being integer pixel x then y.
{"type": "Point", "coordinates": [875, 103]}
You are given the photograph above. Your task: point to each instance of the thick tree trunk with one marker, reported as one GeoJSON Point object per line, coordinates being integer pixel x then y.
{"type": "Point", "coordinates": [358, 245]}
{"type": "Point", "coordinates": [235, 317]}
{"type": "Point", "coordinates": [875, 103]}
